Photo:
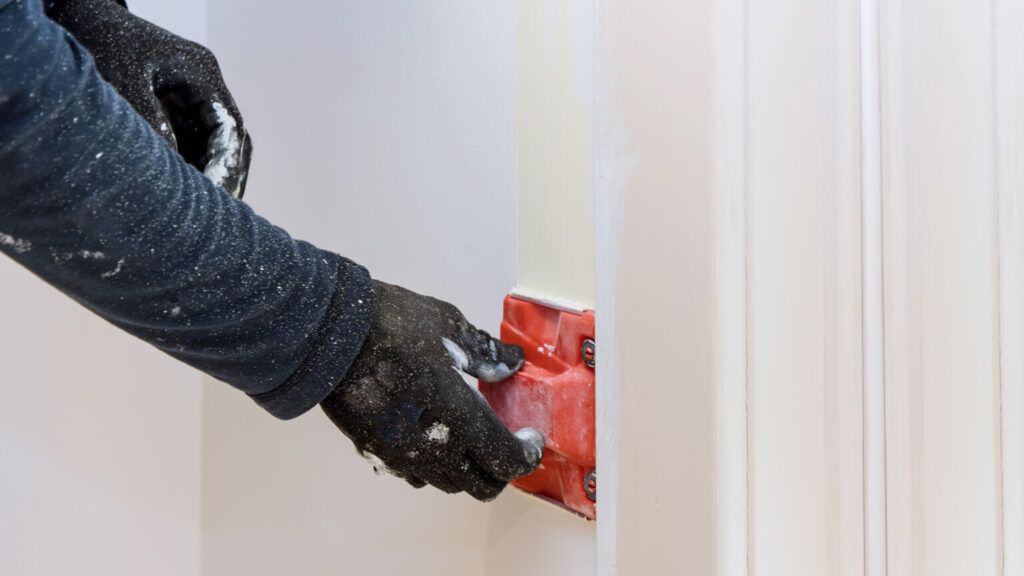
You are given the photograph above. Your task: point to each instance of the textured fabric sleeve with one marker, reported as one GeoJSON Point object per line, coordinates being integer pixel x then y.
{"type": "Point", "coordinates": [95, 203]}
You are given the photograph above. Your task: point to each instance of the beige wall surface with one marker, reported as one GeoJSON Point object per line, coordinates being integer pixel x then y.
{"type": "Point", "coordinates": [99, 433]}
{"type": "Point", "coordinates": [385, 131]}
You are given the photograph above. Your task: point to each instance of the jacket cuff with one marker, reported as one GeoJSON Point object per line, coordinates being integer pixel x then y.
{"type": "Point", "coordinates": [340, 337]}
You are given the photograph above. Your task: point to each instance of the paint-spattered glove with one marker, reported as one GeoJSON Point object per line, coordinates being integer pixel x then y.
{"type": "Point", "coordinates": [409, 411]}
{"type": "Point", "coordinates": [175, 84]}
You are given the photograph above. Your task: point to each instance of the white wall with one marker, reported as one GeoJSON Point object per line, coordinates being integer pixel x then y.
{"type": "Point", "coordinates": [99, 433]}
{"type": "Point", "coordinates": [385, 131]}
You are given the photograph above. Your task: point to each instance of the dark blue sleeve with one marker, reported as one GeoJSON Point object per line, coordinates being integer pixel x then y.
{"type": "Point", "coordinates": [95, 203]}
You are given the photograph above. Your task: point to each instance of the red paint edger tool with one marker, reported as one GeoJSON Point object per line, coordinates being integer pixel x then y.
{"type": "Point", "coordinates": [553, 393]}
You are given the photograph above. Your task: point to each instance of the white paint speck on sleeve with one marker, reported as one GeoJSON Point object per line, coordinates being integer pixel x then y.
{"type": "Point", "coordinates": [115, 271]}
{"type": "Point", "coordinates": [17, 244]}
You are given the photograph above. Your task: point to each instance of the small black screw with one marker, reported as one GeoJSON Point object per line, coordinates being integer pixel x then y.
{"type": "Point", "coordinates": [590, 485]}
{"type": "Point", "coordinates": [589, 352]}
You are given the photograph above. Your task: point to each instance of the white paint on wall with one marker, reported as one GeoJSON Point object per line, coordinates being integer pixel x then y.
{"type": "Point", "coordinates": [99, 433]}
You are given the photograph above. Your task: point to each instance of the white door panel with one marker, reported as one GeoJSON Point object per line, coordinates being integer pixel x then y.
{"type": "Point", "coordinates": [818, 204]}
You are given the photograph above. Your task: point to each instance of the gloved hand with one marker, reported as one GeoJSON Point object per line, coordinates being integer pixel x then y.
{"type": "Point", "coordinates": [175, 84]}
{"type": "Point", "coordinates": [407, 409]}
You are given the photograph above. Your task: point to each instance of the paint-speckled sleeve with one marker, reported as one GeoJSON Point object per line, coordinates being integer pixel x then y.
{"type": "Point", "coordinates": [96, 204]}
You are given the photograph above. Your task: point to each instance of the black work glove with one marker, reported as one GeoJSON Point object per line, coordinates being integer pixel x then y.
{"type": "Point", "coordinates": [173, 83]}
{"type": "Point", "coordinates": [407, 409]}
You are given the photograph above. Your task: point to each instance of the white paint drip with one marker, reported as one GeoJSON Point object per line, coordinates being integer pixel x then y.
{"type": "Point", "coordinates": [438, 432]}
{"type": "Point", "coordinates": [17, 244]}
{"type": "Point", "coordinates": [175, 311]}
{"type": "Point", "coordinates": [88, 255]}
{"type": "Point", "coordinates": [224, 147]}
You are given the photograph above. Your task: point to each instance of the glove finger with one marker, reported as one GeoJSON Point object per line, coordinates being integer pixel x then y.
{"type": "Point", "coordinates": [414, 482]}
{"type": "Point", "coordinates": [210, 131]}
{"type": "Point", "coordinates": [437, 478]}
{"type": "Point", "coordinates": [476, 482]}
{"type": "Point", "coordinates": [222, 113]}
{"type": "Point", "coordinates": [484, 357]}
{"type": "Point", "coordinates": [500, 453]}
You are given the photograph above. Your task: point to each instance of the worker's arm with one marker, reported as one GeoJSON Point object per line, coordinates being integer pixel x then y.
{"type": "Point", "coordinates": [97, 204]}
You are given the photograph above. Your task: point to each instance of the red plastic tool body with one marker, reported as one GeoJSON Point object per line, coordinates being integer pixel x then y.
{"type": "Point", "coordinates": [553, 393]}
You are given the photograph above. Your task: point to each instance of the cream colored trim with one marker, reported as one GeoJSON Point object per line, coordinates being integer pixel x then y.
{"type": "Point", "coordinates": [804, 328]}
{"type": "Point", "coordinates": [730, 324]}
{"type": "Point", "coordinates": [612, 170]}
{"type": "Point", "coordinates": [873, 293]}
{"type": "Point", "coordinates": [942, 381]}
{"type": "Point", "coordinates": [554, 151]}
{"type": "Point", "coordinates": [1009, 126]}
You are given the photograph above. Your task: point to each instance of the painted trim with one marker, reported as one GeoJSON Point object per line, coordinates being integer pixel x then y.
{"type": "Point", "coordinates": [1008, 48]}
{"type": "Point", "coordinates": [730, 323]}
{"type": "Point", "coordinates": [612, 168]}
{"type": "Point", "coordinates": [940, 213]}
{"type": "Point", "coordinates": [873, 292]}
{"type": "Point", "coordinates": [555, 151]}
{"type": "Point", "coordinates": [898, 364]}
